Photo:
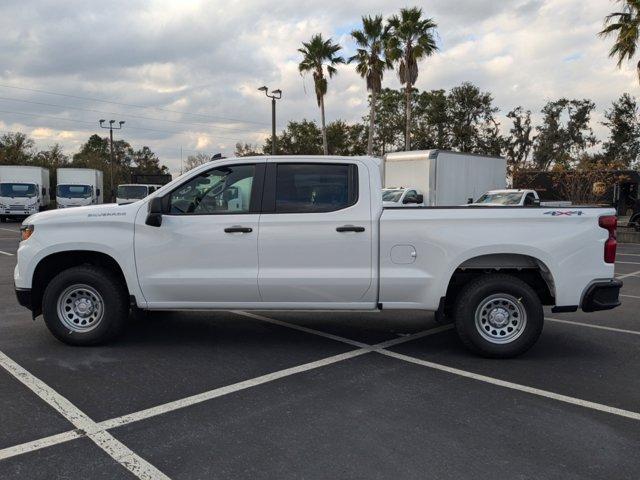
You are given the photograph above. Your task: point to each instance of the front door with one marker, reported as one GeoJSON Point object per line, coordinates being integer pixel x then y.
{"type": "Point", "coordinates": [205, 253]}
{"type": "Point", "coordinates": [315, 242]}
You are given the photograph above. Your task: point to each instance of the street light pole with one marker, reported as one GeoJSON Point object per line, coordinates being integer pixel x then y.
{"type": "Point", "coordinates": [275, 95]}
{"type": "Point", "coordinates": [112, 154]}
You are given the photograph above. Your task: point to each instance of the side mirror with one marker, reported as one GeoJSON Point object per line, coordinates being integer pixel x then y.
{"type": "Point", "coordinates": [44, 191]}
{"type": "Point", "coordinates": [469, 201]}
{"type": "Point", "coordinates": [98, 192]}
{"type": "Point", "coordinates": [154, 214]}
{"type": "Point", "coordinates": [420, 198]}
{"type": "Point", "coordinates": [536, 202]}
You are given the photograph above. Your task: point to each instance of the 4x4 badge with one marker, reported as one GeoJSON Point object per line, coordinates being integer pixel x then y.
{"type": "Point", "coordinates": [568, 213]}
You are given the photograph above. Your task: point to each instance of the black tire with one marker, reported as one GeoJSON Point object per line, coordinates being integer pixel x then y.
{"type": "Point", "coordinates": [498, 305]}
{"type": "Point", "coordinates": [3, 219]}
{"type": "Point", "coordinates": [106, 287]}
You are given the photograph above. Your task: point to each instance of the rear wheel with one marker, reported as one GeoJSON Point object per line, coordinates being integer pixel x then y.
{"type": "Point", "coordinates": [85, 305]}
{"type": "Point", "coordinates": [3, 219]}
{"type": "Point", "coordinates": [498, 316]}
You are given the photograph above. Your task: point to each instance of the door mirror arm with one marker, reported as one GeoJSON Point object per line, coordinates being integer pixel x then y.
{"type": "Point", "coordinates": [155, 211]}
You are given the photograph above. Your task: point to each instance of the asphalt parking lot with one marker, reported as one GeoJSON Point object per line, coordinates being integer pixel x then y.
{"type": "Point", "coordinates": [319, 395]}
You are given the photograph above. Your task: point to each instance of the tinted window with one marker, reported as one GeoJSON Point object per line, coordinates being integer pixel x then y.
{"type": "Point", "coordinates": [74, 191]}
{"type": "Point", "coordinates": [17, 190]}
{"type": "Point", "coordinates": [221, 190]}
{"type": "Point", "coordinates": [308, 188]}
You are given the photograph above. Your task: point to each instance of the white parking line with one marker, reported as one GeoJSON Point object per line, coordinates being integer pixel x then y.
{"type": "Point", "coordinates": [6, 253]}
{"type": "Point", "coordinates": [591, 325]}
{"type": "Point", "coordinates": [514, 386]}
{"type": "Point", "coordinates": [632, 274]}
{"type": "Point", "coordinates": [502, 383]}
{"type": "Point", "coordinates": [218, 392]}
{"type": "Point", "coordinates": [629, 254]}
{"type": "Point", "coordinates": [9, 230]}
{"type": "Point", "coordinates": [627, 263]}
{"type": "Point", "coordinates": [107, 442]}
{"type": "Point", "coordinates": [629, 296]}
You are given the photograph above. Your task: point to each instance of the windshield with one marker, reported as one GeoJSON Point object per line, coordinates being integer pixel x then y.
{"type": "Point", "coordinates": [17, 190]}
{"type": "Point", "coordinates": [391, 195]}
{"type": "Point", "coordinates": [504, 198]}
{"type": "Point", "coordinates": [74, 191]}
{"type": "Point", "coordinates": [132, 191]}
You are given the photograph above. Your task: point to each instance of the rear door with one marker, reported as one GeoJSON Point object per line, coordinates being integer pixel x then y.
{"type": "Point", "coordinates": [315, 240]}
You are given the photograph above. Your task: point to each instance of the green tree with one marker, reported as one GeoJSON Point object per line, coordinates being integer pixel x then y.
{"type": "Point", "coordinates": [390, 121]}
{"type": "Point", "coordinates": [53, 159]}
{"type": "Point", "coordinates": [345, 139]}
{"type": "Point", "coordinates": [411, 39]}
{"type": "Point", "coordinates": [299, 138]}
{"type": "Point", "coordinates": [146, 162]}
{"type": "Point", "coordinates": [246, 150]}
{"type": "Point", "coordinates": [625, 25]}
{"type": "Point", "coordinates": [565, 133]}
{"type": "Point", "coordinates": [623, 121]}
{"type": "Point", "coordinates": [472, 123]}
{"type": "Point", "coordinates": [431, 122]}
{"type": "Point", "coordinates": [318, 54]}
{"type": "Point", "coordinates": [371, 63]}
{"type": "Point", "coordinates": [196, 160]}
{"type": "Point", "coordinates": [16, 148]}
{"type": "Point", "coordinates": [519, 143]}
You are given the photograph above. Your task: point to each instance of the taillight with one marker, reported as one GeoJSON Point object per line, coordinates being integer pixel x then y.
{"type": "Point", "coordinates": [610, 223]}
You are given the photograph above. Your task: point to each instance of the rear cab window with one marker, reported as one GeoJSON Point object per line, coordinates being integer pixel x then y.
{"type": "Point", "coordinates": [311, 187]}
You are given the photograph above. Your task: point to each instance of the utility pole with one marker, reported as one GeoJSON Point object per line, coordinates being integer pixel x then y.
{"type": "Point", "coordinates": [113, 158]}
{"type": "Point", "coordinates": [275, 95]}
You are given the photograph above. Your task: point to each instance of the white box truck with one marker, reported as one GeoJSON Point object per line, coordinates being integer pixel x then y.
{"type": "Point", "coordinates": [23, 191]}
{"type": "Point", "coordinates": [78, 187]}
{"type": "Point", "coordinates": [443, 178]}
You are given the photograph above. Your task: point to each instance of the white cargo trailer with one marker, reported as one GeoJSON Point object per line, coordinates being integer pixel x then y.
{"type": "Point", "coordinates": [23, 191]}
{"type": "Point", "coordinates": [78, 187]}
{"type": "Point", "coordinates": [445, 178]}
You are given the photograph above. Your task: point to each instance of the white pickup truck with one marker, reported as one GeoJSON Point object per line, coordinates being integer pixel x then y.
{"type": "Point", "coordinates": [301, 233]}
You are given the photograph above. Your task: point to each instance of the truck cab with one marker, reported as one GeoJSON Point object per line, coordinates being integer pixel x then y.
{"type": "Point", "coordinates": [78, 187]}
{"type": "Point", "coordinates": [24, 190]}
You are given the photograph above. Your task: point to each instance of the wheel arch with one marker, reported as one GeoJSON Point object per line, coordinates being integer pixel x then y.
{"type": "Point", "coordinates": [531, 270]}
{"type": "Point", "coordinates": [49, 266]}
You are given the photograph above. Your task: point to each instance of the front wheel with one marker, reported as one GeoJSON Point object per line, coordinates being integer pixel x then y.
{"type": "Point", "coordinates": [498, 316]}
{"type": "Point", "coordinates": [85, 305]}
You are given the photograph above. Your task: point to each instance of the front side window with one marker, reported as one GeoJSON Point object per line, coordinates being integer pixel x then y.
{"type": "Point", "coordinates": [17, 190]}
{"type": "Point", "coordinates": [74, 191]}
{"type": "Point", "coordinates": [313, 188]}
{"type": "Point", "coordinates": [220, 190]}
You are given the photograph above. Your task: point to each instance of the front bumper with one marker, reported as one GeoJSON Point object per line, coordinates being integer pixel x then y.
{"type": "Point", "coordinates": [603, 295]}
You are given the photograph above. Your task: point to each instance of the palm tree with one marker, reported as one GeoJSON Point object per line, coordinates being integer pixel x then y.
{"type": "Point", "coordinates": [411, 38]}
{"type": "Point", "coordinates": [316, 54]}
{"type": "Point", "coordinates": [371, 62]}
{"type": "Point", "coordinates": [626, 25]}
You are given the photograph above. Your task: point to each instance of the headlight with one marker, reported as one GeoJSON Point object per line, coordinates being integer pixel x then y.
{"type": "Point", "coordinates": [26, 231]}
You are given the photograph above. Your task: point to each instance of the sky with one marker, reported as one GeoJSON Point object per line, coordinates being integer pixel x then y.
{"type": "Point", "coordinates": [184, 74]}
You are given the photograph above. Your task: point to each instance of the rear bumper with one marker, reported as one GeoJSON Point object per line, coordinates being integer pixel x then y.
{"type": "Point", "coordinates": [603, 295]}
{"type": "Point", "coordinates": [24, 297]}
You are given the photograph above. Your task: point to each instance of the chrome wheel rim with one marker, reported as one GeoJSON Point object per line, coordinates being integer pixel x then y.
{"type": "Point", "coordinates": [80, 308]}
{"type": "Point", "coordinates": [500, 318]}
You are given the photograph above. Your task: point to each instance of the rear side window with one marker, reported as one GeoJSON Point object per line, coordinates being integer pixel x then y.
{"type": "Point", "coordinates": [314, 188]}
